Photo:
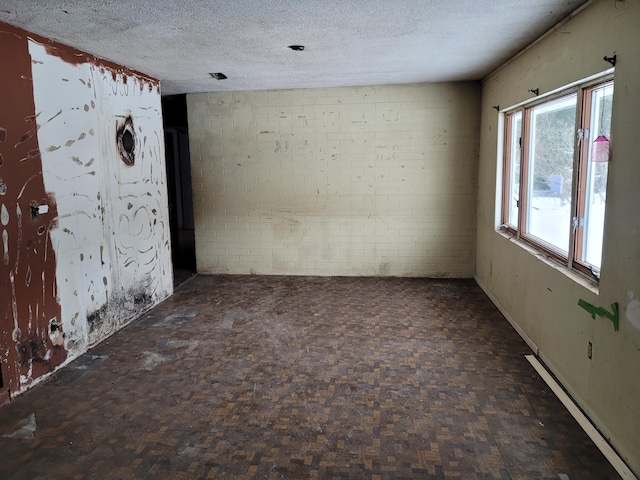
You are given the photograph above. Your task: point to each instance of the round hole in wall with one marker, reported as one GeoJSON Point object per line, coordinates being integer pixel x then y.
{"type": "Point", "coordinates": [127, 141]}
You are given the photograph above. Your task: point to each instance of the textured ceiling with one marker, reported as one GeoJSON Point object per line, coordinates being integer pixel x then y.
{"type": "Point", "coordinates": [347, 42]}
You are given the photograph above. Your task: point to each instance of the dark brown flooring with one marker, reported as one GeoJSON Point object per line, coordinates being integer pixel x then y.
{"type": "Point", "coordinates": [302, 377]}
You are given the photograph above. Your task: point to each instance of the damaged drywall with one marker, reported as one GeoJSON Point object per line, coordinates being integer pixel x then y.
{"type": "Point", "coordinates": [108, 169]}
{"type": "Point", "coordinates": [29, 302]}
{"type": "Point", "coordinates": [84, 210]}
{"type": "Point", "coordinates": [633, 310]}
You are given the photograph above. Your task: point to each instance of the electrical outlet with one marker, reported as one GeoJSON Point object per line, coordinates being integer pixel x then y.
{"type": "Point", "coordinates": [590, 350]}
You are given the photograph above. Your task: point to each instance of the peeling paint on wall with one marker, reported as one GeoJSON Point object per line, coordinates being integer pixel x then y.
{"type": "Point", "coordinates": [113, 240]}
{"type": "Point", "coordinates": [633, 310]}
{"type": "Point", "coordinates": [29, 300]}
{"type": "Point", "coordinates": [83, 202]}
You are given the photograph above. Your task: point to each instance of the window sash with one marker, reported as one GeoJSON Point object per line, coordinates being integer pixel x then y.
{"type": "Point", "coordinates": [587, 209]}
{"type": "Point", "coordinates": [511, 186]}
{"type": "Point", "coordinates": [550, 155]}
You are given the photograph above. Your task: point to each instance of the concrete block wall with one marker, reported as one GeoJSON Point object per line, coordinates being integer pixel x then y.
{"type": "Point", "coordinates": [341, 181]}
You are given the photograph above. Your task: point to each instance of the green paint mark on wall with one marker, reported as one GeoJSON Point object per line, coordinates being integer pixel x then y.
{"type": "Point", "coordinates": [602, 312]}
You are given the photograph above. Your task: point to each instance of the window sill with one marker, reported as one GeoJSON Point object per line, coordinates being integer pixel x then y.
{"type": "Point", "coordinates": [574, 275]}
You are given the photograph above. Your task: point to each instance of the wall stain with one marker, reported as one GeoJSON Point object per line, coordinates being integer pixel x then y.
{"type": "Point", "coordinates": [123, 250]}
{"type": "Point", "coordinates": [120, 309]}
{"type": "Point", "coordinates": [30, 264]}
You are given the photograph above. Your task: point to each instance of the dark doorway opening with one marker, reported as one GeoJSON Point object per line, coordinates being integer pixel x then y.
{"type": "Point", "coordinates": [178, 162]}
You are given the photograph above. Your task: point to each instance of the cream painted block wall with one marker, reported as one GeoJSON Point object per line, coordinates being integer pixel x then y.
{"type": "Point", "coordinates": [540, 297]}
{"type": "Point", "coordinates": [345, 181]}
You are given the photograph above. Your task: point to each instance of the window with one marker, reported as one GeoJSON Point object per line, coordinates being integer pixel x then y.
{"type": "Point", "coordinates": [555, 173]}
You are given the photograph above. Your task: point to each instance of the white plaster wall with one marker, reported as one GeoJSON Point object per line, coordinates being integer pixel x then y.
{"type": "Point", "coordinates": [540, 297]}
{"type": "Point", "coordinates": [341, 181]}
{"type": "Point", "coordinates": [112, 238]}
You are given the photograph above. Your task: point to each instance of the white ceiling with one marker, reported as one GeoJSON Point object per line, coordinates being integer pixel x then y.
{"type": "Point", "coordinates": [347, 42]}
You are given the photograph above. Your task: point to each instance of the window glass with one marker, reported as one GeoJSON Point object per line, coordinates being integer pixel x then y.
{"type": "Point", "coordinates": [551, 148]}
{"type": "Point", "coordinates": [597, 169]}
{"type": "Point", "coordinates": [514, 169]}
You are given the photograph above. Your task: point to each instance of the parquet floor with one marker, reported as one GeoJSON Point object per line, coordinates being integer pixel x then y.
{"type": "Point", "coordinates": [302, 377]}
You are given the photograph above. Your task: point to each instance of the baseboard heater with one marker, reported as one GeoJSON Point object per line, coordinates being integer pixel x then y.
{"type": "Point", "coordinates": [610, 454]}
